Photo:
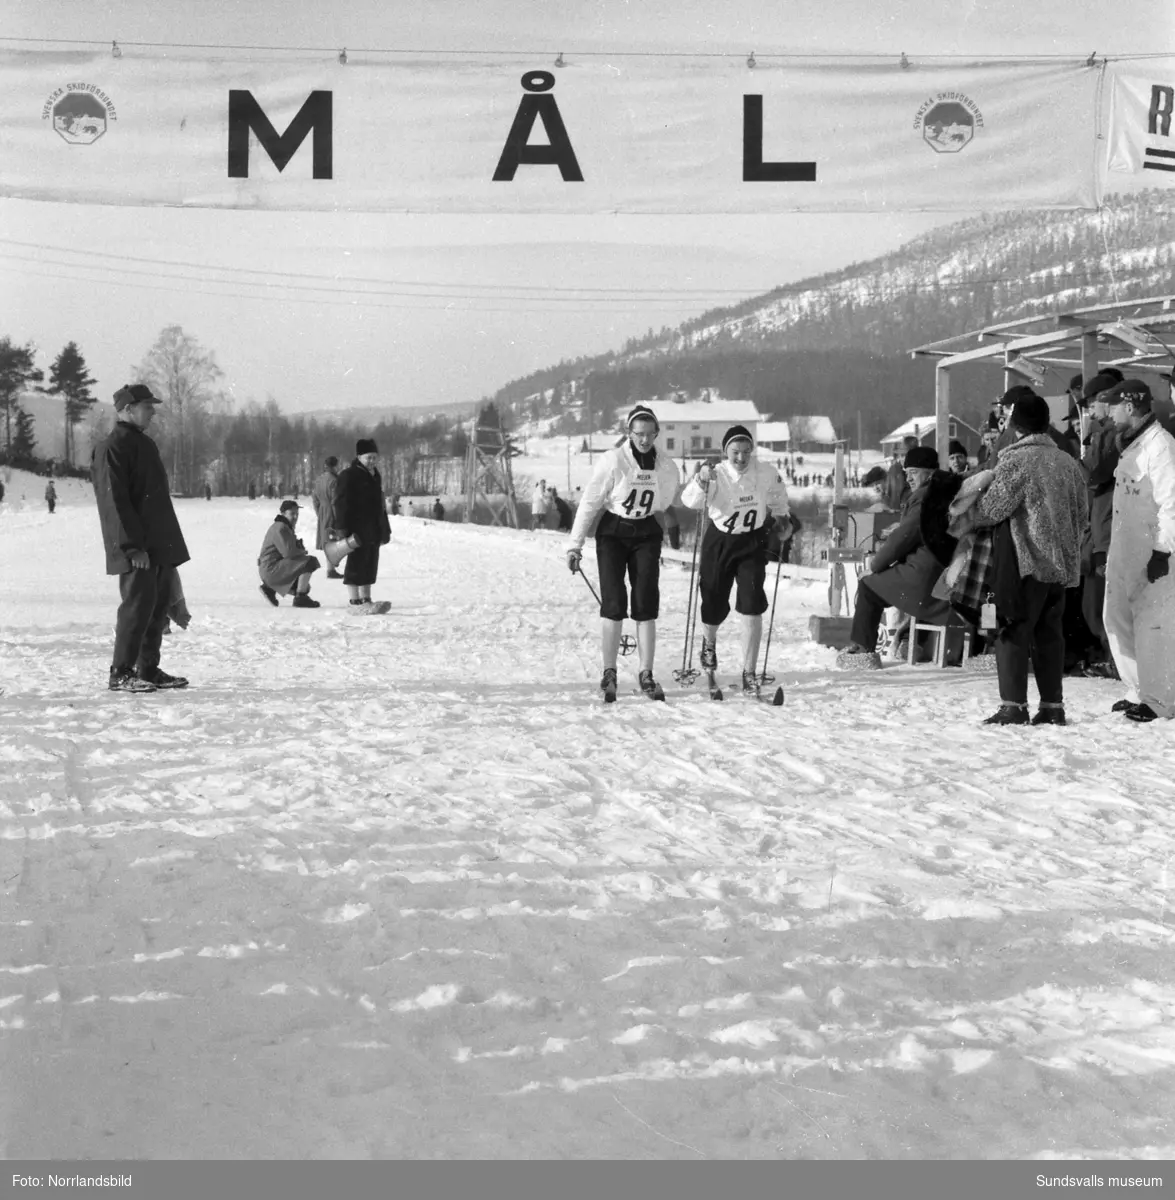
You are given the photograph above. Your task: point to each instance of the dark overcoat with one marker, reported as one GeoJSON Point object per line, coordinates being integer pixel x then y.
{"type": "Point", "coordinates": [134, 501]}
{"type": "Point", "coordinates": [918, 549]}
{"type": "Point", "coordinates": [283, 557]}
{"type": "Point", "coordinates": [359, 506]}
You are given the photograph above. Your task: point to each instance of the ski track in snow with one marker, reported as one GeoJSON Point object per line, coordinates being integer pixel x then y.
{"type": "Point", "coordinates": [405, 888]}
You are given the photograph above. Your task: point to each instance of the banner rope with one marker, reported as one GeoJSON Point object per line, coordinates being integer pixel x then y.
{"type": "Point", "coordinates": [560, 57]}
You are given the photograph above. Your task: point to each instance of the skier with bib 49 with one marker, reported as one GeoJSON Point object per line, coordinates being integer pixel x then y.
{"type": "Point", "coordinates": [629, 489]}
{"type": "Point", "coordinates": [741, 496]}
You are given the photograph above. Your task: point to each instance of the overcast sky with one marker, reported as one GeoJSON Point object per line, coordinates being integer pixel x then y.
{"type": "Point", "coordinates": [308, 352]}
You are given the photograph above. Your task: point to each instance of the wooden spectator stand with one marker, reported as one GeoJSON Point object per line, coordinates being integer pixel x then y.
{"type": "Point", "coordinates": [488, 472]}
{"type": "Point", "coordinates": [1044, 351]}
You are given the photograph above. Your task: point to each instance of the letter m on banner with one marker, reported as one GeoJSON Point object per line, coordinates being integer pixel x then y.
{"type": "Point", "coordinates": [245, 115]}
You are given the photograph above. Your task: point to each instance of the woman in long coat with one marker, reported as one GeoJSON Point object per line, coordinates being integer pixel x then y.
{"type": "Point", "coordinates": [359, 513]}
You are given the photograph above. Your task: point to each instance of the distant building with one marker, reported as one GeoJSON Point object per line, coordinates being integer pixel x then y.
{"type": "Point", "coordinates": [775, 436]}
{"type": "Point", "coordinates": [812, 433]}
{"type": "Point", "coordinates": [694, 428]}
{"type": "Point", "coordinates": [924, 430]}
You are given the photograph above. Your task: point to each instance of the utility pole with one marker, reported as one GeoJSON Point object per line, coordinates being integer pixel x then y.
{"type": "Point", "coordinates": [588, 390]}
{"type": "Point", "coordinates": [860, 442]}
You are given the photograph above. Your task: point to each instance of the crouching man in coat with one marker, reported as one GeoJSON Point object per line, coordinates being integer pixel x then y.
{"type": "Point", "coordinates": [284, 565]}
{"type": "Point", "coordinates": [908, 563]}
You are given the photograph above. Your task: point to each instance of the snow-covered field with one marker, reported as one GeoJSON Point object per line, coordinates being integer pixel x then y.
{"type": "Point", "coordinates": [402, 887]}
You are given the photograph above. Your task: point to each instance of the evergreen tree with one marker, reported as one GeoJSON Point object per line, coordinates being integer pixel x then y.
{"type": "Point", "coordinates": [70, 378]}
{"type": "Point", "coordinates": [17, 372]}
{"type": "Point", "coordinates": [24, 443]}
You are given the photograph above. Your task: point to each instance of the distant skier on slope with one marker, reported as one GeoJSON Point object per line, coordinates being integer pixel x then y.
{"type": "Point", "coordinates": [629, 487]}
{"type": "Point", "coordinates": [742, 497]}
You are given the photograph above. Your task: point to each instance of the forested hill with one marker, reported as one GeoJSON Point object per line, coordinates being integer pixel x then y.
{"type": "Point", "coordinates": [838, 344]}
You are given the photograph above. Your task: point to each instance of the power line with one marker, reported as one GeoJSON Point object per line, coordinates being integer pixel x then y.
{"type": "Point", "coordinates": [760, 57]}
{"type": "Point", "coordinates": [496, 288]}
{"type": "Point", "coordinates": [361, 300]}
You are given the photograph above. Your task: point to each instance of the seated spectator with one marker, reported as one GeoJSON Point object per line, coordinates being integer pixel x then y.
{"type": "Point", "coordinates": [283, 563]}
{"type": "Point", "coordinates": [908, 563]}
{"type": "Point", "coordinates": [438, 510]}
{"type": "Point", "coordinates": [957, 458]}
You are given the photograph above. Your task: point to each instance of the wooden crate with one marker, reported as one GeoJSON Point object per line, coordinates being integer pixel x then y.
{"type": "Point", "coordinates": [831, 631]}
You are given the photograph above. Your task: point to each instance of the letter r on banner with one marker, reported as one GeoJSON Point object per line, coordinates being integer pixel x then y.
{"type": "Point", "coordinates": [315, 116]}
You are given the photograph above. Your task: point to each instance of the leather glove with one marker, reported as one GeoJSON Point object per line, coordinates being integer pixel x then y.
{"type": "Point", "coordinates": [1158, 566]}
{"type": "Point", "coordinates": [573, 560]}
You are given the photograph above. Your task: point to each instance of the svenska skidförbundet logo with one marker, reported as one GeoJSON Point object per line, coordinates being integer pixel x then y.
{"type": "Point", "coordinates": [948, 121]}
{"type": "Point", "coordinates": [80, 112]}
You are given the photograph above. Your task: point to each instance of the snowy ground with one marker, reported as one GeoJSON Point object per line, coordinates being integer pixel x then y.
{"type": "Point", "coordinates": [403, 888]}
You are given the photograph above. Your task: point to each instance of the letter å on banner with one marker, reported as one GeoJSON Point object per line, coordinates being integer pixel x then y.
{"type": "Point", "coordinates": [662, 136]}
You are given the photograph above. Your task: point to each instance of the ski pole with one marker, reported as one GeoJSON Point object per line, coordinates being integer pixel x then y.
{"type": "Point", "coordinates": [764, 677]}
{"type": "Point", "coordinates": [687, 674]}
{"type": "Point", "coordinates": [627, 641]}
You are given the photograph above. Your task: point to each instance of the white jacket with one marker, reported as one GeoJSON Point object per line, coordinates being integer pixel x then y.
{"type": "Point", "coordinates": [739, 503]}
{"type": "Point", "coordinates": [619, 485]}
{"type": "Point", "coordinates": [1144, 503]}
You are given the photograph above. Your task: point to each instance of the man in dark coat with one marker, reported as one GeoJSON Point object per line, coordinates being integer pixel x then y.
{"type": "Point", "coordinates": [359, 513]}
{"type": "Point", "coordinates": [324, 495]}
{"type": "Point", "coordinates": [142, 539]}
{"type": "Point", "coordinates": [283, 564]}
{"type": "Point", "coordinates": [908, 563]}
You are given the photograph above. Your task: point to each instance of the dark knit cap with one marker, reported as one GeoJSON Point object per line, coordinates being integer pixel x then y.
{"type": "Point", "coordinates": [1101, 382]}
{"type": "Point", "coordinates": [365, 446]}
{"type": "Point", "coordinates": [925, 457]}
{"type": "Point", "coordinates": [956, 447]}
{"type": "Point", "coordinates": [642, 412]}
{"type": "Point", "coordinates": [736, 433]}
{"type": "Point", "coordinates": [1020, 392]}
{"type": "Point", "coordinates": [1031, 413]}
{"type": "Point", "coordinates": [872, 476]}
{"type": "Point", "coordinates": [133, 393]}
{"type": "Point", "coordinates": [1134, 390]}
{"type": "Point", "coordinates": [332, 461]}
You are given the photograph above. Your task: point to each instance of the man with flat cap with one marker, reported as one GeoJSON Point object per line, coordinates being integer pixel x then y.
{"type": "Point", "coordinates": [142, 537]}
{"type": "Point", "coordinates": [1140, 588]}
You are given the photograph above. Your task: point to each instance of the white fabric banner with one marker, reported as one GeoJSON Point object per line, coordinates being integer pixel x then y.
{"type": "Point", "coordinates": [642, 135]}
{"type": "Point", "coordinates": [1142, 122]}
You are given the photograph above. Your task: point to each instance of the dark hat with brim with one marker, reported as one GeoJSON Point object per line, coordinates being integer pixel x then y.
{"type": "Point", "coordinates": [1020, 392]}
{"type": "Point", "coordinates": [1136, 391]}
{"type": "Point", "coordinates": [1101, 382]}
{"type": "Point", "coordinates": [288, 506]}
{"type": "Point", "coordinates": [134, 393]}
{"type": "Point", "coordinates": [924, 458]}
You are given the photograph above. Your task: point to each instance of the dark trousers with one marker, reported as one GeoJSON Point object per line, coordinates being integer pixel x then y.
{"type": "Point", "coordinates": [138, 632]}
{"type": "Point", "coordinates": [640, 559]}
{"type": "Point", "coordinates": [867, 613]}
{"type": "Point", "coordinates": [1037, 638]}
{"type": "Point", "coordinates": [1093, 600]}
{"type": "Point", "coordinates": [731, 560]}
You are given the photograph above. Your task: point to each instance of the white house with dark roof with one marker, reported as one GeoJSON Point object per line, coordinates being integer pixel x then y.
{"type": "Point", "coordinates": [694, 428]}
{"type": "Point", "coordinates": [924, 430]}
